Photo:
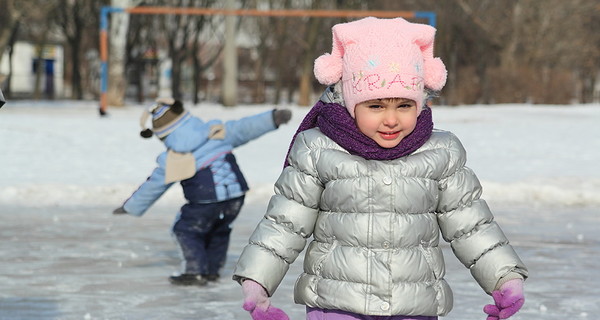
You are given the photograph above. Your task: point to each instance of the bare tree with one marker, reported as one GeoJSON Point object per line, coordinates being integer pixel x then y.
{"type": "Point", "coordinates": [540, 51]}
{"type": "Point", "coordinates": [309, 44]}
{"type": "Point", "coordinates": [39, 11]}
{"type": "Point", "coordinates": [179, 32]}
{"type": "Point", "coordinates": [203, 57]}
{"type": "Point", "coordinates": [269, 35]}
{"type": "Point", "coordinates": [280, 41]}
{"type": "Point", "coordinates": [11, 43]}
{"type": "Point", "coordinates": [260, 55]}
{"type": "Point", "coordinates": [74, 18]}
{"type": "Point", "coordinates": [141, 42]}
{"type": "Point", "coordinates": [9, 15]}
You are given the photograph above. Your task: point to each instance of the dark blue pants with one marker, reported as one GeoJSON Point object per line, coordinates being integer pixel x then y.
{"type": "Point", "coordinates": [202, 231]}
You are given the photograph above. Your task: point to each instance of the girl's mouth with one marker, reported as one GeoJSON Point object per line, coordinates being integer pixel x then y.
{"type": "Point", "coordinates": [389, 135]}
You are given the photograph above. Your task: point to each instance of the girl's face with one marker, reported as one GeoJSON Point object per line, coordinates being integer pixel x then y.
{"type": "Point", "coordinates": [386, 121]}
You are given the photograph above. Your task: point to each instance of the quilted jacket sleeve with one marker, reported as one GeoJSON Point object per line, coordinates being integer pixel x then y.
{"type": "Point", "coordinates": [468, 224]}
{"type": "Point", "coordinates": [290, 219]}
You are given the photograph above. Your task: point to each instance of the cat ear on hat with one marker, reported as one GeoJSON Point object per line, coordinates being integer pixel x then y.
{"type": "Point", "coordinates": [434, 70]}
{"type": "Point", "coordinates": [328, 67]}
{"type": "Point", "coordinates": [146, 132]}
{"type": "Point", "coordinates": [177, 107]}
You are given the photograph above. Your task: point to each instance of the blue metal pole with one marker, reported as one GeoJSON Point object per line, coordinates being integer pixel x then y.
{"type": "Point", "coordinates": [104, 12]}
{"type": "Point", "coordinates": [430, 16]}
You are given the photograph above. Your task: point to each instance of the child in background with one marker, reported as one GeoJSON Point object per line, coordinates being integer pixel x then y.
{"type": "Point", "coordinates": [374, 184]}
{"type": "Point", "coordinates": [2, 101]}
{"type": "Point", "coordinates": [199, 156]}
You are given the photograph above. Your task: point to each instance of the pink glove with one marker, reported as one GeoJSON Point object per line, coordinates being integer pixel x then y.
{"type": "Point", "coordinates": [508, 300]}
{"type": "Point", "coordinates": [258, 304]}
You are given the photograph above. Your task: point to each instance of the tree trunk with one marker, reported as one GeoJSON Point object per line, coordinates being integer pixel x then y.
{"type": "Point", "coordinates": [279, 61]}
{"type": "Point", "coordinates": [307, 66]}
{"type": "Point", "coordinates": [230, 66]}
{"type": "Point", "coordinates": [305, 87]}
{"type": "Point", "coordinates": [508, 55]}
{"type": "Point", "coordinates": [11, 47]}
{"type": "Point", "coordinates": [140, 71]}
{"type": "Point", "coordinates": [259, 88]}
{"type": "Point", "coordinates": [117, 83]}
{"type": "Point", "coordinates": [75, 67]}
{"type": "Point", "coordinates": [176, 77]}
{"type": "Point", "coordinates": [452, 87]}
{"type": "Point", "coordinates": [595, 98]}
{"type": "Point", "coordinates": [9, 18]}
{"type": "Point", "coordinates": [41, 64]}
{"type": "Point", "coordinates": [481, 71]}
{"type": "Point", "coordinates": [196, 75]}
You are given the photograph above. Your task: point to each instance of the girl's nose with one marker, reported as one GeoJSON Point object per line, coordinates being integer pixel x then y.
{"type": "Point", "coordinates": [390, 119]}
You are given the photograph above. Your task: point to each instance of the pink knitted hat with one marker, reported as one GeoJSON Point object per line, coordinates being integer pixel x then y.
{"type": "Point", "coordinates": [381, 58]}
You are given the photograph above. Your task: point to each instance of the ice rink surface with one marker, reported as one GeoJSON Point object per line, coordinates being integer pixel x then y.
{"type": "Point", "coordinates": [64, 256]}
{"type": "Point", "coordinates": [83, 263]}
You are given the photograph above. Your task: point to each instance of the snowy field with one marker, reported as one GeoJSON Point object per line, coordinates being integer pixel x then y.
{"type": "Point", "coordinates": [63, 255]}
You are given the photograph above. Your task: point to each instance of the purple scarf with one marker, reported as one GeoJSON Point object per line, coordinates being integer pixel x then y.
{"type": "Point", "coordinates": [336, 123]}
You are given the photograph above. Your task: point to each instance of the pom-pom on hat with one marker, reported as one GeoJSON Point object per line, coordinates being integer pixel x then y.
{"type": "Point", "coordinates": [167, 114]}
{"type": "Point", "coordinates": [381, 58]}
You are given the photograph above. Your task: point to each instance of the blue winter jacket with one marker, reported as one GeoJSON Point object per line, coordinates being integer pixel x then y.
{"type": "Point", "coordinates": [218, 177]}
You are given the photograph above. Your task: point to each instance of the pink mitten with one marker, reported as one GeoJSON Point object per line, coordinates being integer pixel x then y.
{"type": "Point", "coordinates": [508, 300]}
{"type": "Point", "coordinates": [258, 304]}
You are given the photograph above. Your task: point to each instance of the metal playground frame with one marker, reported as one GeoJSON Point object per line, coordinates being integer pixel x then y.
{"type": "Point", "coordinates": [107, 10]}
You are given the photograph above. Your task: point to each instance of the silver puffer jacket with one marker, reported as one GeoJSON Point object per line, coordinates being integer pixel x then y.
{"type": "Point", "coordinates": [375, 227]}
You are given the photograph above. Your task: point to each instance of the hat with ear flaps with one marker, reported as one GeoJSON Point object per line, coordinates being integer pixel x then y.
{"type": "Point", "coordinates": [381, 58]}
{"type": "Point", "coordinates": [167, 114]}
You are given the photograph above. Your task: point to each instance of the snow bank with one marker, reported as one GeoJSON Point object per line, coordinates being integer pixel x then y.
{"type": "Point", "coordinates": [583, 194]}
{"type": "Point", "coordinates": [61, 153]}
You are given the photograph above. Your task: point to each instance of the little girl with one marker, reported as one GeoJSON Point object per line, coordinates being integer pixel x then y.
{"type": "Point", "coordinates": [374, 184]}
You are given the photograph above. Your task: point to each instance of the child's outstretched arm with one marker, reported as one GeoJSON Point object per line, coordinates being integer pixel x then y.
{"type": "Point", "coordinates": [467, 223]}
{"type": "Point", "coordinates": [239, 132]}
{"type": "Point", "coordinates": [145, 196]}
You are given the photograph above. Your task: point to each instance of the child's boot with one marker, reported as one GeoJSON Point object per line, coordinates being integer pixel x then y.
{"type": "Point", "coordinates": [211, 276]}
{"type": "Point", "coordinates": [188, 279]}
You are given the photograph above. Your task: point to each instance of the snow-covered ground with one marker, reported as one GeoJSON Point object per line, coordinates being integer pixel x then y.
{"type": "Point", "coordinates": [63, 255]}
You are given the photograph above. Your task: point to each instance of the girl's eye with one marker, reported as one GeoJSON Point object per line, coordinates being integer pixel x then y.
{"type": "Point", "coordinates": [405, 105]}
{"type": "Point", "coordinates": [375, 106]}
